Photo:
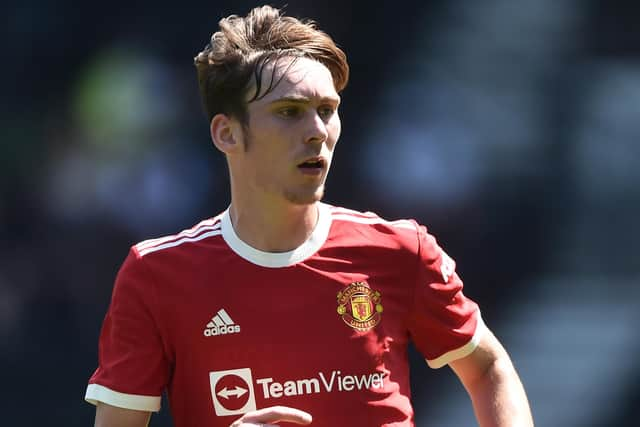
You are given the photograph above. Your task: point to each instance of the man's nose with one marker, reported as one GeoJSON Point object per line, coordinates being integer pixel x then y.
{"type": "Point", "coordinates": [317, 129]}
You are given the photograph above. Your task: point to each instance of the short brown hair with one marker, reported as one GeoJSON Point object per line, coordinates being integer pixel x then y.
{"type": "Point", "coordinates": [245, 45]}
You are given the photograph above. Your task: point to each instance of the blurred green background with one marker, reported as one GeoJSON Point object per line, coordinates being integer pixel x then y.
{"type": "Point", "coordinates": [510, 128]}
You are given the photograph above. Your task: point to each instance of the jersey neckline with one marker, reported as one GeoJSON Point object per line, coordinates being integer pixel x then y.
{"type": "Point", "coordinates": [279, 259]}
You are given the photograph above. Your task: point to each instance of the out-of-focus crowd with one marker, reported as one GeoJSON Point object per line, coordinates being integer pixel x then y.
{"type": "Point", "coordinates": [510, 128]}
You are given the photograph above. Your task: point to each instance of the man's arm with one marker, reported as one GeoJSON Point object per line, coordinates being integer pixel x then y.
{"type": "Point", "coordinates": [112, 416]}
{"type": "Point", "coordinates": [498, 397]}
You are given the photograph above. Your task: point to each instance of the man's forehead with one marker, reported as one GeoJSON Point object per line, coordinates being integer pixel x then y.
{"type": "Point", "coordinates": [297, 78]}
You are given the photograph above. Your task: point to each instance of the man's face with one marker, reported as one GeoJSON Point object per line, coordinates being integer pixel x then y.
{"type": "Point", "coordinates": [291, 135]}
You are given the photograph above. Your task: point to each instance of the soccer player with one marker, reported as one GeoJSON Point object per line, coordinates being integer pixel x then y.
{"type": "Point", "coordinates": [283, 308]}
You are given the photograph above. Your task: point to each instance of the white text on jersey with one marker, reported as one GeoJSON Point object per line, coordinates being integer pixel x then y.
{"type": "Point", "coordinates": [336, 381]}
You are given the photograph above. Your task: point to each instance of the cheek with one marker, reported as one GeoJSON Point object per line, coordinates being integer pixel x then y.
{"type": "Point", "coordinates": [335, 127]}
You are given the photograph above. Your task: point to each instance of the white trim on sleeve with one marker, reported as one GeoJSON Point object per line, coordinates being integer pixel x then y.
{"type": "Point", "coordinates": [460, 352]}
{"type": "Point", "coordinates": [98, 393]}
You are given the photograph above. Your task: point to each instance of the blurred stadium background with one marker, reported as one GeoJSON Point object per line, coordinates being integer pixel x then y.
{"type": "Point", "coordinates": [510, 127]}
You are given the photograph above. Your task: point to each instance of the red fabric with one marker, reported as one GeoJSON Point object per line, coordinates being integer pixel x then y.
{"type": "Point", "coordinates": [443, 319]}
{"type": "Point", "coordinates": [292, 340]}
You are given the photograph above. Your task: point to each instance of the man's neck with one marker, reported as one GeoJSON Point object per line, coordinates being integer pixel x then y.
{"type": "Point", "coordinates": [273, 227]}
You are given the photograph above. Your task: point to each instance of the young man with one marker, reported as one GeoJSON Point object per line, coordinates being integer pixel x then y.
{"type": "Point", "coordinates": [283, 308]}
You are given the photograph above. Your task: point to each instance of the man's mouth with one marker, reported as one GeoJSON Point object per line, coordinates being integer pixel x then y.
{"type": "Point", "coordinates": [313, 166]}
{"type": "Point", "coordinates": [318, 163]}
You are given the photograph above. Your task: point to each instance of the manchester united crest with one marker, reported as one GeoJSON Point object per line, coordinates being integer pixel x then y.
{"type": "Point", "coordinates": [359, 306]}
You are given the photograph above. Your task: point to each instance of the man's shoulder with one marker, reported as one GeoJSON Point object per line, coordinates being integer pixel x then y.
{"type": "Point", "coordinates": [185, 239]}
{"type": "Point", "coordinates": [353, 228]}
{"type": "Point", "coordinates": [371, 220]}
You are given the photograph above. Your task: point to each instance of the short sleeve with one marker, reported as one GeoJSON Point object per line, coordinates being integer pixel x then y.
{"type": "Point", "coordinates": [132, 367]}
{"type": "Point", "coordinates": [444, 324]}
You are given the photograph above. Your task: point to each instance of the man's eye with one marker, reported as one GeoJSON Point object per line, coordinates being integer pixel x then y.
{"type": "Point", "coordinates": [289, 112]}
{"type": "Point", "coordinates": [325, 112]}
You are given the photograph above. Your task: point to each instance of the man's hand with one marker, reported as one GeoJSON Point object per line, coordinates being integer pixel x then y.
{"type": "Point", "coordinates": [268, 416]}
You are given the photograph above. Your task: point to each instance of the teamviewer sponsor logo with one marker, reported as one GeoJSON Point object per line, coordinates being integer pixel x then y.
{"type": "Point", "coordinates": [233, 390]}
{"type": "Point", "coordinates": [221, 324]}
{"type": "Point", "coordinates": [331, 382]}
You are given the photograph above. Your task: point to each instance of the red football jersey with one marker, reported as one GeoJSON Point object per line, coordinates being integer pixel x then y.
{"type": "Point", "coordinates": [227, 329]}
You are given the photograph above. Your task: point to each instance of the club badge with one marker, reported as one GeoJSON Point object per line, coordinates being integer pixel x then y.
{"type": "Point", "coordinates": [359, 306]}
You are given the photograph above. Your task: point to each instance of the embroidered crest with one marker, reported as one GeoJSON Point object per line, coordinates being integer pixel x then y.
{"type": "Point", "coordinates": [360, 306]}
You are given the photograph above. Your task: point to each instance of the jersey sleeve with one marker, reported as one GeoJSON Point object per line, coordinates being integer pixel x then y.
{"type": "Point", "coordinates": [132, 367]}
{"type": "Point", "coordinates": [444, 324]}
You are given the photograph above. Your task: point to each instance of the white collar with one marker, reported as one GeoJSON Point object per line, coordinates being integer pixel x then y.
{"type": "Point", "coordinates": [279, 259]}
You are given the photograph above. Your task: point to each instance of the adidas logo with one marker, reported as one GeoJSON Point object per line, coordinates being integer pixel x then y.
{"type": "Point", "coordinates": [221, 324]}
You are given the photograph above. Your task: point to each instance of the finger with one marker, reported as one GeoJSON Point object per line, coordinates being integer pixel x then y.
{"type": "Point", "coordinates": [276, 414]}
{"type": "Point", "coordinates": [239, 423]}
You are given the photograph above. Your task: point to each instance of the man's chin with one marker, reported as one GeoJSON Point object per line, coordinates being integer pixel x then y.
{"type": "Point", "coordinates": [305, 198]}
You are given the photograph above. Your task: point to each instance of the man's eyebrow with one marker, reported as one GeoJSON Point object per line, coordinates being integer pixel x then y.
{"type": "Point", "coordinates": [301, 99]}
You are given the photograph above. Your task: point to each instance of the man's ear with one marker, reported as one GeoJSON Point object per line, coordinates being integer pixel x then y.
{"type": "Point", "coordinates": [226, 133]}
